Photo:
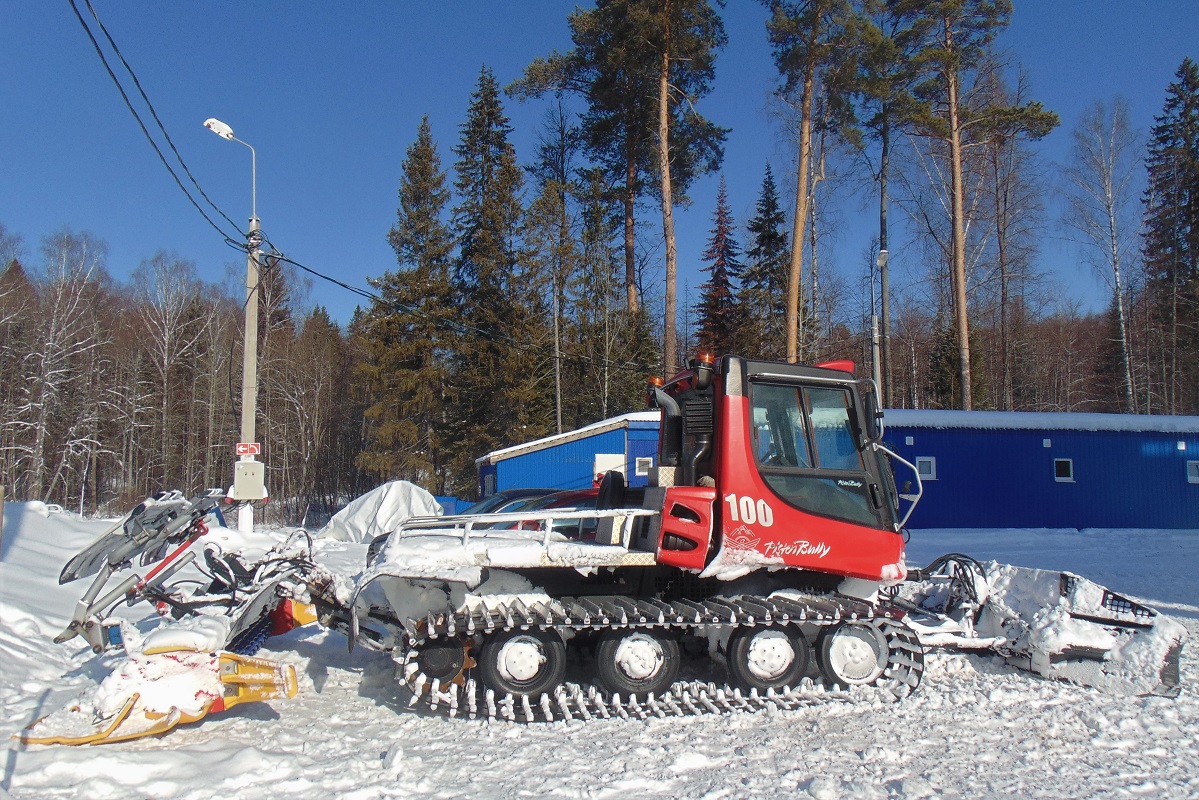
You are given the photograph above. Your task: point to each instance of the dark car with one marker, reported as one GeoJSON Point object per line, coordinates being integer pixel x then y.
{"type": "Point", "coordinates": [578, 528]}
{"type": "Point", "coordinates": [505, 500]}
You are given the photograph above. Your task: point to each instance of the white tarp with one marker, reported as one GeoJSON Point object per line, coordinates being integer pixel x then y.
{"type": "Point", "coordinates": [379, 511]}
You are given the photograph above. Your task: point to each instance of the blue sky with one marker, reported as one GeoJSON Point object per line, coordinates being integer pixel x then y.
{"type": "Point", "coordinates": [330, 95]}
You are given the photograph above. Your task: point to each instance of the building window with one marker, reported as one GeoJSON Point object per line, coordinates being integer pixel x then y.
{"type": "Point", "coordinates": [926, 466]}
{"type": "Point", "coordinates": [1063, 470]}
{"type": "Point", "coordinates": [1193, 472]}
{"type": "Point", "coordinates": [644, 465]}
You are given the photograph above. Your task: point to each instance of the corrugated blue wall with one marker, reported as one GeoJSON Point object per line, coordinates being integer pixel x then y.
{"type": "Point", "coordinates": [1005, 478]}
{"type": "Point", "coordinates": [569, 465]}
{"type": "Point", "coordinates": [643, 443]}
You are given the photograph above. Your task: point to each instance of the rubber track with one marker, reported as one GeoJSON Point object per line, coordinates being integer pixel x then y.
{"type": "Point", "coordinates": [901, 677]}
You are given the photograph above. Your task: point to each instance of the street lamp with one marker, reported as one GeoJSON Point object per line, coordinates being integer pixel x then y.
{"type": "Point", "coordinates": [248, 472]}
{"type": "Point", "coordinates": [876, 359]}
{"type": "Point", "coordinates": [884, 387]}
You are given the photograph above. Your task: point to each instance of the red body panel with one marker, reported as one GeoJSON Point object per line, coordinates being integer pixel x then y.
{"type": "Point", "coordinates": [687, 514]}
{"type": "Point", "coordinates": [767, 523]}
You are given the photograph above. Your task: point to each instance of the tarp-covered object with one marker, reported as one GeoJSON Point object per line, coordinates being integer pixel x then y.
{"type": "Point", "coordinates": [379, 511]}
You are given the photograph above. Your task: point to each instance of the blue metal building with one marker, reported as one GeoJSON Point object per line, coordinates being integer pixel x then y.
{"type": "Point", "coordinates": [980, 469]}
{"type": "Point", "coordinates": [989, 469]}
{"type": "Point", "coordinates": [571, 460]}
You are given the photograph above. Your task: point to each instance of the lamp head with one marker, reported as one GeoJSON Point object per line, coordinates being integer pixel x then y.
{"type": "Point", "coordinates": [882, 254]}
{"type": "Point", "coordinates": [219, 128]}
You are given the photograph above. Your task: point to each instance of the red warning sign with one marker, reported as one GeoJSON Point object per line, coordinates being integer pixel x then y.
{"type": "Point", "coordinates": [249, 448]}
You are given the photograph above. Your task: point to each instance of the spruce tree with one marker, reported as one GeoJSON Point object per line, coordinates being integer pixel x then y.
{"type": "Point", "coordinates": [500, 370]}
{"type": "Point", "coordinates": [720, 318]}
{"type": "Point", "coordinates": [764, 281]}
{"type": "Point", "coordinates": [1172, 236]}
{"type": "Point", "coordinates": [406, 334]}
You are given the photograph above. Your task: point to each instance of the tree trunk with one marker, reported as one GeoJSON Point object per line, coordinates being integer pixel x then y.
{"type": "Point", "coordinates": [795, 279]}
{"type": "Point", "coordinates": [1129, 402]}
{"type": "Point", "coordinates": [630, 253]}
{"type": "Point", "coordinates": [1005, 345]}
{"type": "Point", "coordinates": [669, 339]}
{"type": "Point", "coordinates": [958, 267]}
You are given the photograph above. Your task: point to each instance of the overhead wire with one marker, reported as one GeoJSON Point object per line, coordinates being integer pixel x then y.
{"type": "Point", "coordinates": [142, 124]}
{"type": "Point", "coordinates": [117, 50]}
{"type": "Point", "coordinates": [466, 328]}
{"type": "Point", "coordinates": [453, 325]}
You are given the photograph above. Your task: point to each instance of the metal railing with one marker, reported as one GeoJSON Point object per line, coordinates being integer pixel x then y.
{"type": "Point", "coordinates": [520, 524]}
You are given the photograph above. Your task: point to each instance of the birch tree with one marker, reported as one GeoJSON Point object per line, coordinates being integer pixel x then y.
{"type": "Point", "coordinates": [1101, 208]}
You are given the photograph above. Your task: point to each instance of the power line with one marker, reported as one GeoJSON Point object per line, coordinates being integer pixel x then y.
{"type": "Point", "coordinates": [154, 114]}
{"type": "Point", "coordinates": [466, 328]}
{"type": "Point", "coordinates": [145, 130]}
{"type": "Point", "coordinates": [457, 327]}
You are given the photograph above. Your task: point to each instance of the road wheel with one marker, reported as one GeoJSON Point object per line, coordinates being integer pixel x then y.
{"type": "Point", "coordinates": [636, 662]}
{"type": "Point", "coordinates": [527, 663]}
{"type": "Point", "coordinates": [852, 654]}
{"type": "Point", "coordinates": [767, 658]}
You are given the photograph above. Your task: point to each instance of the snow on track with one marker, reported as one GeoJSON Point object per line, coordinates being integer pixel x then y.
{"type": "Point", "coordinates": [973, 729]}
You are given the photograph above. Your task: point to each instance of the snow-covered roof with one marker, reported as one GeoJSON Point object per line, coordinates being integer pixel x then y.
{"type": "Point", "coordinates": [1039, 421]}
{"type": "Point", "coordinates": [603, 426]}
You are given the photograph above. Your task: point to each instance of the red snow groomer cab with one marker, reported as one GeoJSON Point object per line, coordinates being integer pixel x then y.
{"type": "Point", "coordinates": [777, 466]}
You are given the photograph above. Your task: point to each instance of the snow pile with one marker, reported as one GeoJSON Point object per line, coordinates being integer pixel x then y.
{"type": "Point", "coordinates": [379, 511]}
{"type": "Point", "coordinates": [975, 728]}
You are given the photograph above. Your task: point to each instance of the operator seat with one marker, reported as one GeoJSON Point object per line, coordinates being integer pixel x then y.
{"type": "Point", "coordinates": [611, 495]}
{"type": "Point", "coordinates": [611, 491]}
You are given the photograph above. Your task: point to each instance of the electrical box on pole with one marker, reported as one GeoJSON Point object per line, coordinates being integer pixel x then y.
{"type": "Point", "coordinates": [249, 480]}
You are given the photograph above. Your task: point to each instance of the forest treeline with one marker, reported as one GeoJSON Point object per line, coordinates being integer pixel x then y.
{"type": "Point", "coordinates": [533, 298]}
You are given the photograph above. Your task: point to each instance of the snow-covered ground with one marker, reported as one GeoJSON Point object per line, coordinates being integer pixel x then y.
{"type": "Point", "coordinates": [974, 728]}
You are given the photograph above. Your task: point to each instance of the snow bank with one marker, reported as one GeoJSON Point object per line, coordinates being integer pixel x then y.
{"type": "Point", "coordinates": [379, 511]}
{"type": "Point", "coordinates": [975, 728]}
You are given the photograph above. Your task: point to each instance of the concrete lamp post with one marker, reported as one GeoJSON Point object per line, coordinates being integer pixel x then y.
{"type": "Point", "coordinates": [248, 472]}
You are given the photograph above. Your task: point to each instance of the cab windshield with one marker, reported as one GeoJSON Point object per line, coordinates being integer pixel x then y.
{"type": "Point", "coordinates": [806, 448]}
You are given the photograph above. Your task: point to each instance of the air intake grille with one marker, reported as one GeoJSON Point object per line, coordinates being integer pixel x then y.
{"type": "Point", "coordinates": [698, 416]}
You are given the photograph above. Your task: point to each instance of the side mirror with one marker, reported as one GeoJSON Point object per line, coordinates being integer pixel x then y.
{"type": "Point", "coordinates": [872, 414]}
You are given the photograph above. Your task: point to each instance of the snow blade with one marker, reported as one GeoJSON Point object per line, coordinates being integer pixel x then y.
{"type": "Point", "coordinates": [151, 694]}
{"type": "Point", "coordinates": [1056, 624]}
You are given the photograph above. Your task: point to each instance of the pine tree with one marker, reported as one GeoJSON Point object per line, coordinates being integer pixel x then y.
{"type": "Point", "coordinates": [1172, 236]}
{"type": "Point", "coordinates": [641, 66]}
{"type": "Point", "coordinates": [404, 335]}
{"type": "Point", "coordinates": [764, 280]}
{"type": "Point", "coordinates": [806, 36]}
{"type": "Point", "coordinates": [957, 35]}
{"type": "Point", "coordinates": [878, 77]}
{"type": "Point", "coordinates": [718, 309]}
